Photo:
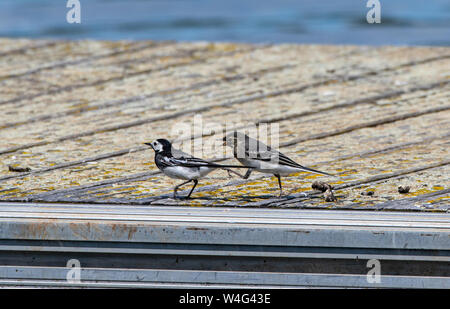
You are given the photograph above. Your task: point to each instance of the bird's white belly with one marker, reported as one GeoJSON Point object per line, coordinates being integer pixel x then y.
{"type": "Point", "coordinates": [186, 173]}
{"type": "Point", "coordinates": [269, 167]}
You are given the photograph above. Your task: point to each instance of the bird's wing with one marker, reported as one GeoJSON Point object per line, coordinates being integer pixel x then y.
{"type": "Point", "coordinates": [196, 162]}
{"type": "Point", "coordinates": [260, 151]}
{"type": "Point", "coordinates": [260, 155]}
{"type": "Point", "coordinates": [188, 162]}
{"type": "Point", "coordinates": [257, 150]}
{"type": "Point", "coordinates": [287, 161]}
{"type": "Point", "coordinates": [177, 153]}
{"type": "Point", "coordinates": [254, 149]}
{"type": "Point", "coordinates": [272, 156]}
{"type": "Point", "coordinates": [184, 159]}
{"type": "Point", "coordinates": [180, 158]}
{"type": "Point", "coordinates": [277, 157]}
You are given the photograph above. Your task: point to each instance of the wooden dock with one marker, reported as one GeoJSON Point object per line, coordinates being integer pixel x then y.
{"type": "Point", "coordinates": [75, 115]}
{"type": "Point", "coordinates": [77, 182]}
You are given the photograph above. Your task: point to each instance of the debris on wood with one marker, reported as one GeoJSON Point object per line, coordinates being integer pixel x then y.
{"type": "Point", "coordinates": [368, 193]}
{"type": "Point", "coordinates": [321, 186]}
{"type": "Point", "coordinates": [329, 196]}
{"type": "Point", "coordinates": [327, 190]}
{"type": "Point", "coordinates": [403, 189]}
{"type": "Point", "coordinates": [18, 169]}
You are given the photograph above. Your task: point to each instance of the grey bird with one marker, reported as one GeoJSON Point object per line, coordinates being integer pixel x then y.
{"type": "Point", "coordinates": [262, 158]}
{"type": "Point", "coordinates": [179, 165]}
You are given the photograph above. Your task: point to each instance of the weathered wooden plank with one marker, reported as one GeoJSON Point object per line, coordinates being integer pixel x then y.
{"type": "Point", "coordinates": [61, 53]}
{"type": "Point", "coordinates": [24, 112]}
{"type": "Point", "coordinates": [218, 70]}
{"type": "Point", "coordinates": [198, 74]}
{"type": "Point", "coordinates": [60, 60]}
{"type": "Point", "coordinates": [83, 76]}
{"type": "Point", "coordinates": [348, 194]}
{"type": "Point", "coordinates": [423, 195]}
{"type": "Point", "coordinates": [166, 93]}
{"type": "Point", "coordinates": [19, 46]}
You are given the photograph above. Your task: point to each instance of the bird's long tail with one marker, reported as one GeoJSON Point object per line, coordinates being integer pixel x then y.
{"type": "Point", "coordinates": [307, 169]}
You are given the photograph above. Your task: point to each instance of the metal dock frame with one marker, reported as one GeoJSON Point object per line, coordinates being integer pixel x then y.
{"type": "Point", "coordinates": [164, 246]}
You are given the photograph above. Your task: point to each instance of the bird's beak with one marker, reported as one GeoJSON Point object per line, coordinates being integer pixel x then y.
{"type": "Point", "coordinates": [149, 144]}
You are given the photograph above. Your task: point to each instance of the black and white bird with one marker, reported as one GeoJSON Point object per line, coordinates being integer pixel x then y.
{"type": "Point", "coordinates": [179, 165]}
{"type": "Point", "coordinates": [263, 158]}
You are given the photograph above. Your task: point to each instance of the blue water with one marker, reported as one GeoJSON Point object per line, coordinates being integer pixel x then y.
{"type": "Point", "coordinates": [403, 22]}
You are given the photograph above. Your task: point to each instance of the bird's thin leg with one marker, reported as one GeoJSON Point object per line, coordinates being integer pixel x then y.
{"type": "Point", "coordinates": [279, 183]}
{"type": "Point", "coordinates": [249, 171]}
{"type": "Point", "coordinates": [195, 184]}
{"type": "Point", "coordinates": [230, 171]}
{"type": "Point", "coordinates": [176, 188]}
